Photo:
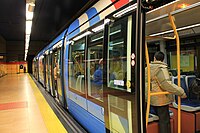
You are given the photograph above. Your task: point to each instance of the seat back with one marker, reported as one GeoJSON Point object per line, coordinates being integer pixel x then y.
{"type": "Point", "coordinates": [189, 79]}
{"type": "Point", "coordinates": [183, 85]}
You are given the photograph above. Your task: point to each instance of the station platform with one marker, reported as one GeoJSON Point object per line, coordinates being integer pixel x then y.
{"type": "Point", "coordinates": [23, 108]}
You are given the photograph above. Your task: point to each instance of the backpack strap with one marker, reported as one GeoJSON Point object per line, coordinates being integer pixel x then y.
{"type": "Point", "coordinates": [156, 78]}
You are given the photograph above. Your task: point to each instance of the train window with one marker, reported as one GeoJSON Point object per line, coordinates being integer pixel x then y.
{"type": "Point", "coordinates": [95, 66]}
{"type": "Point", "coordinates": [187, 60]}
{"type": "Point", "coordinates": [41, 69]}
{"type": "Point", "coordinates": [119, 51]}
{"type": "Point", "coordinates": [77, 65]}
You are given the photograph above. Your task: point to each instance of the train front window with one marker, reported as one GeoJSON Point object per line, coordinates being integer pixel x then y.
{"type": "Point", "coordinates": [95, 66]}
{"type": "Point", "coordinates": [119, 51]}
{"type": "Point", "coordinates": [77, 65]}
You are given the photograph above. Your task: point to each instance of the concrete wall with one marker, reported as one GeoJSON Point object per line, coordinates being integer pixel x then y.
{"type": "Point", "coordinates": [2, 49]}
{"type": "Point", "coordinates": [15, 51]}
{"type": "Point", "coordinates": [36, 46]}
{"type": "Point", "coordinates": [14, 67]}
{"type": "Point", "coordinates": [3, 69]}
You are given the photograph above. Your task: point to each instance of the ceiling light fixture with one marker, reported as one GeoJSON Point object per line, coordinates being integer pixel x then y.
{"type": "Point", "coordinates": [184, 5]}
{"type": "Point", "coordinates": [178, 29]}
{"type": "Point", "coordinates": [30, 6]}
{"type": "Point", "coordinates": [82, 35]}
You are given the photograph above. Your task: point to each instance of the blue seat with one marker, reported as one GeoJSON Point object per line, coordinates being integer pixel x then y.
{"type": "Point", "coordinates": [186, 103]}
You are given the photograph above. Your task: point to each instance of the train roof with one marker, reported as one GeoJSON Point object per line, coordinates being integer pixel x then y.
{"type": "Point", "coordinates": [92, 16]}
{"type": "Point", "coordinates": [50, 46]}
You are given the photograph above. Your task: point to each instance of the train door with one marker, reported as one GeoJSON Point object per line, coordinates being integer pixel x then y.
{"type": "Point", "coordinates": [41, 70]}
{"type": "Point", "coordinates": [47, 73]}
{"type": "Point", "coordinates": [76, 73]}
{"type": "Point", "coordinates": [37, 69]}
{"type": "Point", "coordinates": [123, 75]}
{"type": "Point", "coordinates": [34, 68]}
{"type": "Point", "coordinates": [59, 75]}
{"type": "Point", "coordinates": [54, 73]}
{"type": "Point", "coordinates": [94, 79]}
{"type": "Point", "coordinates": [51, 73]}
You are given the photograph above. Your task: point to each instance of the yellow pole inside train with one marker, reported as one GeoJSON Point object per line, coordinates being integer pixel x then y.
{"type": "Point", "coordinates": [179, 81]}
{"type": "Point", "coordinates": [148, 79]}
{"type": "Point", "coordinates": [178, 68]}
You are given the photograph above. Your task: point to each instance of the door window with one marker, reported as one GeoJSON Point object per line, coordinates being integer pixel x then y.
{"type": "Point", "coordinates": [77, 65]}
{"type": "Point", "coordinates": [119, 54]}
{"type": "Point", "coordinates": [95, 66]}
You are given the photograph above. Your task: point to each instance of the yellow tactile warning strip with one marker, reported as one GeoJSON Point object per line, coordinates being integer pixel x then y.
{"type": "Point", "coordinates": [51, 121]}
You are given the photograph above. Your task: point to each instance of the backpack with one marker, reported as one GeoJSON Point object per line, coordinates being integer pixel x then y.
{"type": "Point", "coordinates": [194, 89]}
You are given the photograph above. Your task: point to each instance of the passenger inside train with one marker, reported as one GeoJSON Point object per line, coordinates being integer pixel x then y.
{"type": "Point", "coordinates": [160, 82]}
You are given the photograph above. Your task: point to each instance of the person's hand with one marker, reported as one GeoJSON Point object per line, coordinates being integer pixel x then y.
{"type": "Point", "coordinates": [184, 96]}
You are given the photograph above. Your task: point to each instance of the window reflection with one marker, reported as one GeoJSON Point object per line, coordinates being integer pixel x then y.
{"type": "Point", "coordinates": [120, 114]}
{"type": "Point", "coordinates": [76, 65]}
{"type": "Point", "coordinates": [119, 47]}
{"type": "Point", "coordinates": [95, 66]}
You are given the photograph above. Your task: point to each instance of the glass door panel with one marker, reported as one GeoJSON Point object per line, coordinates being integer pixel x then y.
{"type": "Point", "coordinates": [77, 66]}
{"type": "Point", "coordinates": [47, 72]}
{"type": "Point", "coordinates": [119, 51]}
{"type": "Point", "coordinates": [95, 66]}
{"type": "Point", "coordinates": [121, 107]}
{"type": "Point", "coordinates": [58, 58]}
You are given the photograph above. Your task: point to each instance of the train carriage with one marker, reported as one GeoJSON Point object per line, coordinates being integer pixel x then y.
{"type": "Point", "coordinates": [100, 63]}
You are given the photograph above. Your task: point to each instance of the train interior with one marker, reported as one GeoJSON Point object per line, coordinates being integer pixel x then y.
{"type": "Point", "coordinates": [160, 37]}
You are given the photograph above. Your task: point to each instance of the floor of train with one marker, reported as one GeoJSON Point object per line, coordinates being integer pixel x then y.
{"type": "Point", "coordinates": [25, 107]}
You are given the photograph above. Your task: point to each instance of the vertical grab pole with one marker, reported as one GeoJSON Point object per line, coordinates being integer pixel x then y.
{"type": "Point", "coordinates": [148, 79]}
{"type": "Point", "coordinates": [178, 68]}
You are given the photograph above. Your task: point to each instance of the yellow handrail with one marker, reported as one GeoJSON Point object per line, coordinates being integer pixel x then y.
{"type": "Point", "coordinates": [178, 68]}
{"type": "Point", "coordinates": [148, 86]}
{"type": "Point", "coordinates": [176, 36]}
{"type": "Point", "coordinates": [159, 93]}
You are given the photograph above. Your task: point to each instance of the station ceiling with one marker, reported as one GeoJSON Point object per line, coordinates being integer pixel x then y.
{"type": "Point", "coordinates": [50, 18]}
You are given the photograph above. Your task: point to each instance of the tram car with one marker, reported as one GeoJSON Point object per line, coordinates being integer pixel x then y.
{"type": "Point", "coordinates": [96, 67]}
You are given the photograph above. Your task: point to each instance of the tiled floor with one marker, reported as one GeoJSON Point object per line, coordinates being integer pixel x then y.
{"type": "Point", "coordinates": [20, 111]}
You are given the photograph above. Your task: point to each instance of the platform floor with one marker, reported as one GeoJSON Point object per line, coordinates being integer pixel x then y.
{"type": "Point", "coordinates": [23, 109]}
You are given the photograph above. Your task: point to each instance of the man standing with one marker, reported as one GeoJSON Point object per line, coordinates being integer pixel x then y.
{"type": "Point", "coordinates": [160, 82]}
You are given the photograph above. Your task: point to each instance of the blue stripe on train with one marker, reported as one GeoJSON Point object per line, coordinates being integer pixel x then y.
{"type": "Point", "coordinates": [89, 122]}
{"type": "Point", "coordinates": [91, 13]}
{"type": "Point", "coordinates": [73, 27]}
